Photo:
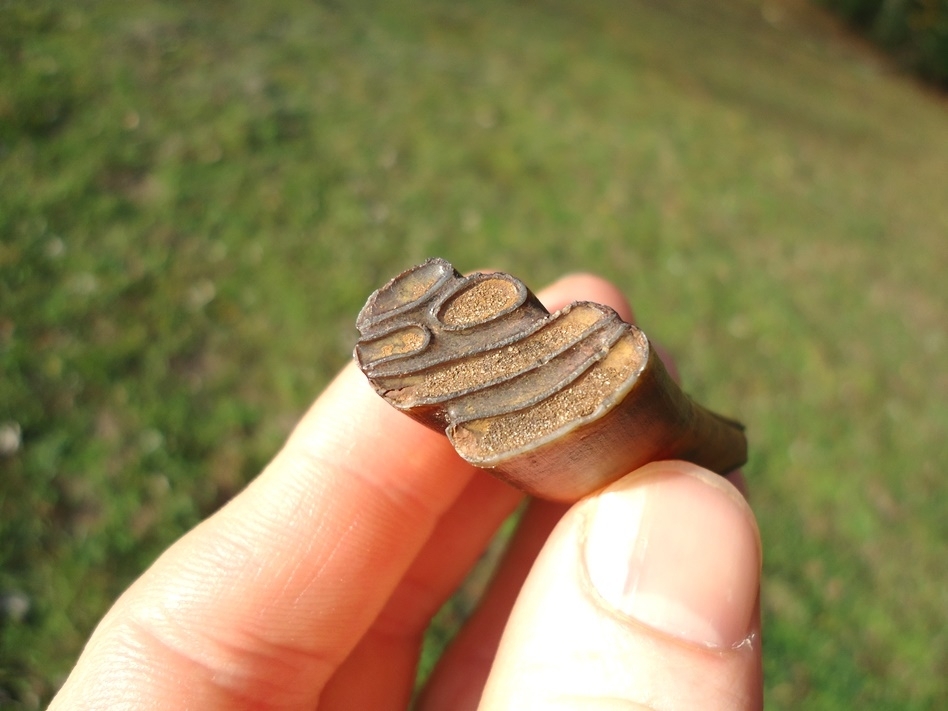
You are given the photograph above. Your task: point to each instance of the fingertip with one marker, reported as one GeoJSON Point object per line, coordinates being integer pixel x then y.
{"type": "Point", "coordinates": [737, 480]}
{"type": "Point", "coordinates": [646, 590]}
{"type": "Point", "coordinates": [583, 286]}
{"type": "Point", "coordinates": [676, 547]}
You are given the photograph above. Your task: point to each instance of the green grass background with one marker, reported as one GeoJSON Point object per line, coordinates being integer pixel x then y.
{"type": "Point", "coordinates": [196, 199]}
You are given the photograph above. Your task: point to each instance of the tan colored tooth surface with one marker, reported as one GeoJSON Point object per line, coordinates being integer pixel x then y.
{"type": "Point", "coordinates": [593, 393]}
{"type": "Point", "coordinates": [482, 302]}
{"type": "Point", "coordinates": [482, 369]}
{"type": "Point", "coordinates": [398, 343]}
{"type": "Point", "coordinates": [557, 404]}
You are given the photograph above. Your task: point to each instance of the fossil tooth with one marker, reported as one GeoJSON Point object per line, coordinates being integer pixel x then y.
{"type": "Point", "coordinates": [558, 404]}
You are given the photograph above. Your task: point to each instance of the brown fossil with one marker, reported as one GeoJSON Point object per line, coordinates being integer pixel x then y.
{"type": "Point", "coordinates": [558, 405]}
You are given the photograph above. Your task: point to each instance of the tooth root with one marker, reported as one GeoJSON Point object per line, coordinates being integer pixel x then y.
{"type": "Point", "coordinates": [557, 404]}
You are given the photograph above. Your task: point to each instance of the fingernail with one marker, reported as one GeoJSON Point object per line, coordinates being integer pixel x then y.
{"type": "Point", "coordinates": [678, 550]}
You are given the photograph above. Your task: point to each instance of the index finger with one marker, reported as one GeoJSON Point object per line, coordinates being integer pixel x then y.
{"type": "Point", "coordinates": [261, 602]}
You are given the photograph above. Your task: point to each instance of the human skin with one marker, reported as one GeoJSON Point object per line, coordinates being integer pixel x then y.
{"type": "Point", "coordinates": [313, 587]}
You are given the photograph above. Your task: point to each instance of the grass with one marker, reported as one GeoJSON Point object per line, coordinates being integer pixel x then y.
{"type": "Point", "coordinates": [195, 200]}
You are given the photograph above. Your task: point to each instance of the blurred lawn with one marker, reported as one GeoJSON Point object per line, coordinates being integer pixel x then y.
{"type": "Point", "coordinates": [195, 200]}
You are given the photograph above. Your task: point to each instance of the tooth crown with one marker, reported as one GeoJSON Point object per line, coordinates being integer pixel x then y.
{"type": "Point", "coordinates": [540, 398]}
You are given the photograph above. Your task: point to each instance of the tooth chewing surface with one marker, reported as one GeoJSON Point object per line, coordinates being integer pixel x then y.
{"type": "Point", "coordinates": [557, 404]}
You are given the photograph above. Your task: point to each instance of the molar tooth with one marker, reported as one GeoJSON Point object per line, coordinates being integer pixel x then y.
{"type": "Point", "coordinates": [559, 405]}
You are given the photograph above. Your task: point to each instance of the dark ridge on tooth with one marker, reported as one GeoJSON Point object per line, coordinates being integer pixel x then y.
{"type": "Point", "coordinates": [556, 335]}
{"type": "Point", "coordinates": [527, 388]}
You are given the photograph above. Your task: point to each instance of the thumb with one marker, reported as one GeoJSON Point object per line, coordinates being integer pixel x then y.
{"type": "Point", "coordinates": [644, 596]}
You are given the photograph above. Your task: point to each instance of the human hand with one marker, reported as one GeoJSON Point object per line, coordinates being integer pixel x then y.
{"type": "Point", "coordinates": [313, 587]}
